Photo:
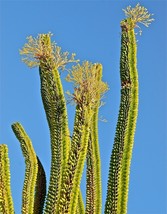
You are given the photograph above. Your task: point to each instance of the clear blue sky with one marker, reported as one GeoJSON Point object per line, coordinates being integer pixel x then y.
{"type": "Point", "coordinates": [91, 29]}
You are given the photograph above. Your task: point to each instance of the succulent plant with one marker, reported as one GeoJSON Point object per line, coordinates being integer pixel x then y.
{"type": "Point", "coordinates": [70, 153]}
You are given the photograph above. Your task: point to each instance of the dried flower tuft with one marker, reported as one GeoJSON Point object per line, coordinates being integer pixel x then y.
{"type": "Point", "coordinates": [63, 58]}
{"type": "Point", "coordinates": [41, 50]}
{"type": "Point", "coordinates": [138, 14]}
{"type": "Point", "coordinates": [88, 88]}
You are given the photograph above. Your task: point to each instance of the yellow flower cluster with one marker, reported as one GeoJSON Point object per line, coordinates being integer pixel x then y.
{"type": "Point", "coordinates": [138, 14]}
{"type": "Point", "coordinates": [88, 86]}
{"type": "Point", "coordinates": [39, 49]}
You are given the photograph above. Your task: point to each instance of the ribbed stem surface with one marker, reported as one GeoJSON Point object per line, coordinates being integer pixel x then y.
{"type": "Point", "coordinates": [131, 125]}
{"type": "Point", "coordinates": [113, 193]}
{"type": "Point", "coordinates": [6, 201]}
{"type": "Point", "coordinates": [31, 169]}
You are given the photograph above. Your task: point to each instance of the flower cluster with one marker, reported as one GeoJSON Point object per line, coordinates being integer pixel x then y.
{"type": "Point", "coordinates": [40, 49]}
{"type": "Point", "coordinates": [138, 14]}
{"type": "Point", "coordinates": [88, 86]}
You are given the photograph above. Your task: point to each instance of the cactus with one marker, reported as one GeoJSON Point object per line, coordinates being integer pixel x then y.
{"type": "Point", "coordinates": [49, 58]}
{"type": "Point", "coordinates": [69, 154]}
{"type": "Point", "coordinates": [33, 168]}
{"type": "Point", "coordinates": [93, 186]}
{"type": "Point", "coordinates": [6, 202]}
{"type": "Point", "coordinates": [118, 180]}
{"type": "Point", "coordinates": [88, 89]}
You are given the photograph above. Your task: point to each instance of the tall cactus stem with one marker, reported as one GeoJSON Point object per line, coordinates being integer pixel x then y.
{"type": "Point", "coordinates": [93, 190]}
{"type": "Point", "coordinates": [87, 93]}
{"type": "Point", "coordinates": [131, 125]}
{"type": "Point", "coordinates": [45, 54]}
{"type": "Point", "coordinates": [111, 206]}
{"type": "Point", "coordinates": [118, 181]}
{"type": "Point", "coordinates": [6, 201]}
{"type": "Point", "coordinates": [31, 169]}
{"type": "Point", "coordinates": [53, 113]}
{"type": "Point", "coordinates": [72, 176]}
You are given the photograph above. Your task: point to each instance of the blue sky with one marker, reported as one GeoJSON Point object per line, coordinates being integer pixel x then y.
{"type": "Point", "coordinates": [91, 29]}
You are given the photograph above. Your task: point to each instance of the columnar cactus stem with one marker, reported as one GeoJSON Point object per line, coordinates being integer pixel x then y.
{"type": "Point", "coordinates": [117, 193]}
{"type": "Point", "coordinates": [72, 176]}
{"type": "Point", "coordinates": [53, 110]}
{"type": "Point", "coordinates": [87, 93]}
{"type": "Point", "coordinates": [31, 169]}
{"type": "Point", "coordinates": [93, 190]}
{"type": "Point", "coordinates": [90, 182]}
{"type": "Point", "coordinates": [135, 15]}
{"type": "Point", "coordinates": [115, 161]}
{"type": "Point", "coordinates": [41, 52]}
{"type": "Point", "coordinates": [131, 125]}
{"type": "Point", "coordinates": [6, 202]}
{"type": "Point", "coordinates": [80, 163]}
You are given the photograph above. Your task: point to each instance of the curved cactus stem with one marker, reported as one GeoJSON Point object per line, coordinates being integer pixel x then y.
{"type": "Point", "coordinates": [53, 112]}
{"type": "Point", "coordinates": [31, 169]}
{"type": "Point", "coordinates": [93, 190]}
{"type": "Point", "coordinates": [72, 176]}
{"type": "Point", "coordinates": [6, 202]}
{"type": "Point", "coordinates": [40, 190]}
{"type": "Point", "coordinates": [54, 103]}
{"type": "Point", "coordinates": [56, 113]}
{"type": "Point", "coordinates": [47, 55]}
{"type": "Point", "coordinates": [131, 125]}
{"type": "Point", "coordinates": [111, 206]}
{"type": "Point", "coordinates": [55, 109]}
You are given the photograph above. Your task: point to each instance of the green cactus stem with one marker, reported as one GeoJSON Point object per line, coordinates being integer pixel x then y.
{"type": "Point", "coordinates": [135, 15]}
{"type": "Point", "coordinates": [118, 181]}
{"type": "Point", "coordinates": [90, 180]}
{"type": "Point", "coordinates": [6, 201]}
{"type": "Point", "coordinates": [53, 108]}
{"type": "Point", "coordinates": [85, 96]}
{"type": "Point", "coordinates": [45, 54]}
{"type": "Point", "coordinates": [93, 189]}
{"type": "Point", "coordinates": [75, 162]}
{"type": "Point", "coordinates": [115, 161]}
{"type": "Point", "coordinates": [31, 169]}
{"type": "Point", "coordinates": [131, 124]}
